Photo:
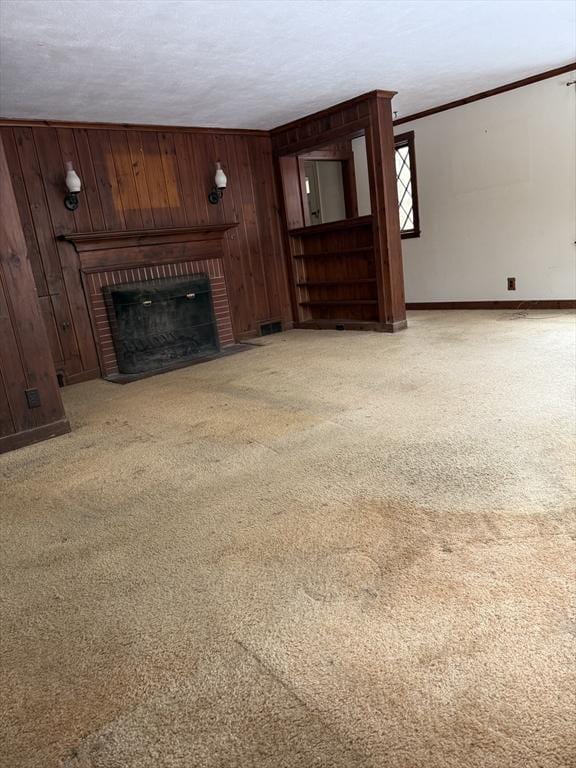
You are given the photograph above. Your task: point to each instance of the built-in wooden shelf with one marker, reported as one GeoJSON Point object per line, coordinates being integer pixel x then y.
{"type": "Point", "coordinates": [331, 226]}
{"type": "Point", "coordinates": [328, 254]}
{"type": "Point", "coordinates": [342, 324]}
{"type": "Point", "coordinates": [336, 302]}
{"type": "Point", "coordinates": [335, 283]}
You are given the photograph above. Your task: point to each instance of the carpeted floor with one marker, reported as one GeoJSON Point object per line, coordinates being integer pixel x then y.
{"type": "Point", "coordinates": [335, 550]}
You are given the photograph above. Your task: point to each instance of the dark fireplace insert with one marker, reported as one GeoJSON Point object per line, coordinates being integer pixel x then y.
{"type": "Point", "coordinates": [159, 323]}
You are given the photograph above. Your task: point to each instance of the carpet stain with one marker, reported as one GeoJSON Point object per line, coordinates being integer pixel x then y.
{"type": "Point", "coordinates": [343, 575]}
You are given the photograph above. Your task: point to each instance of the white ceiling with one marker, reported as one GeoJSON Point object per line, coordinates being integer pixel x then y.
{"type": "Point", "coordinates": [261, 63]}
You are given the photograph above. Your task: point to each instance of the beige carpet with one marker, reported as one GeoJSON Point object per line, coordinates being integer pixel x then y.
{"type": "Point", "coordinates": [334, 550]}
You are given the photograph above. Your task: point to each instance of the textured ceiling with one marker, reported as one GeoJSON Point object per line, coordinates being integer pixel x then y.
{"type": "Point", "coordinates": [261, 63]}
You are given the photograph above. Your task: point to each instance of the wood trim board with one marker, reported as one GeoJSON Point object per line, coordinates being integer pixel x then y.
{"type": "Point", "coordinates": [35, 435]}
{"type": "Point", "coordinates": [522, 304]}
{"type": "Point", "coordinates": [21, 122]}
{"type": "Point", "coordinates": [487, 94]}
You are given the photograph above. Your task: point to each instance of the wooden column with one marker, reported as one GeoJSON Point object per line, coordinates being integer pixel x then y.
{"type": "Point", "coordinates": [385, 219]}
{"type": "Point", "coordinates": [30, 404]}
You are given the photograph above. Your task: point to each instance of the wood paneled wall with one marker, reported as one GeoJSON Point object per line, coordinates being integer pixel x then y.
{"type": "Point", "coordinates": [138, 179]}
{"type": "Point", "coordinates": [26, 367]}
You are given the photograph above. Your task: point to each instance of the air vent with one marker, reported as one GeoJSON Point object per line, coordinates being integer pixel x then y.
{"type": "Point", "coordinates": [267, 328]}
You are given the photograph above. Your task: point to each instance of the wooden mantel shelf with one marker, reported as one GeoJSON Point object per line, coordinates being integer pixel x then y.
{"type": "Point", "coordinates": [99, 251]}
{"type": "Point", "coordinates": [100, 241]}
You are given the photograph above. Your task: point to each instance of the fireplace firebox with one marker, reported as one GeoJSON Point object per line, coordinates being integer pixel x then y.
{"type": "Point", "coordinates": [159, 323]}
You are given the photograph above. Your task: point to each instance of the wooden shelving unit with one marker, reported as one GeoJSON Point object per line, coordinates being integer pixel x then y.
{"type": "Point", "coordinates": [334, 271]}
{"type": "Point", "coordinates": [339, 302]}
{"type": "Point", "coordinates": [343, 274]}
{"type": "Point", "coordinates": [329, 254]}
{"type": "Point", "coordinates": [334, 283]}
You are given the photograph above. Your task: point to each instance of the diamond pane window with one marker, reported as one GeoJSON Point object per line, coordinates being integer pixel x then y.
{"type": "Point", "coordinates": [406, 181]}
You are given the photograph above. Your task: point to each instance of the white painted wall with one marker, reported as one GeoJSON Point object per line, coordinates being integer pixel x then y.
{"type": "Point", "coordinates": [331, 190]}
{"type": "Point", "coordinates": [497, 191]}
{"type": "Point", "coordinates": [361, 173]}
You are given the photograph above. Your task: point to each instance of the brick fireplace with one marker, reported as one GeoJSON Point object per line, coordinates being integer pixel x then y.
{"type": "Point", "coordinates": [119, 258]}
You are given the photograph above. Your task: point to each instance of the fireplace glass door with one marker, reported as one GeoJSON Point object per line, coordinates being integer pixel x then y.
{"type": "Point", "coordinates": [159, 323]}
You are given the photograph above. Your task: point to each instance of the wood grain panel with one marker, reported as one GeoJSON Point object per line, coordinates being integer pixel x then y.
{"type": "Point", "coordinates": [19, 188]}
{"type": "Point", "coordinates": [25, 356]}
{"type": "Point", "coordinates": [385, 218]}
{"type": "Point", "coordinates": [127, 193]}
{"type": "Point", "coordinates": [89, 183]}
{"type": "Point", "coordinates": [106, 180]}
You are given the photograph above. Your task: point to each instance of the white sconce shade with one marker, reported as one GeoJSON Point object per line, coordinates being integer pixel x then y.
{"type": "Point", "coordinates": [220, 179]}
{"type": "Point", "coordinates": [73, 183]}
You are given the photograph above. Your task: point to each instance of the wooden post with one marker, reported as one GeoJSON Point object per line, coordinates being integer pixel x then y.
{"type": "Point", "coordinates": [30, 404]}
{"type": "Point", "coordinates": [385, 216]}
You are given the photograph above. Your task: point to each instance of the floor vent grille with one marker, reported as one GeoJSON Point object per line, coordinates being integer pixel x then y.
{"type": "Point", "coordinates": [267, 328]}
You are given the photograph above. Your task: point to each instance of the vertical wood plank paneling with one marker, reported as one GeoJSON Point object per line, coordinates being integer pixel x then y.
{"type": "Point", "coordinates": [127, 190]}
{"type": "Point", "coordinates": [52, 331]}
{"type": "Point", "coordinates": [140, 180]}
{"type": "Point", "coordinates": [7, 426]}
{"type": "Point", "coordinates": [69, 304]}
{"type": "Point", "coordinates": [271, 252]}
{"type": "Point", "coordinates": [238, 274]}
{"type": "Point", "coordinates": [189, 179]}
{"type": "Point", "coordinates": [106, 180]}
{"type": "Point", "coordinates": [13, 373]}
{"type": "Point", "coordinates": [19, 188]}
{"type": "Point", "coordinates": [38, 209]}
{"type": "Point", "coordinates": [25, 357]}
{"type": "Point", "coordinates": [203, 184]}
{"type": "Point", "coordinates": [69, 152]}
{"type": "Point", "coordinates": [139, 171]}
{"type": "Point", "coordinates": [37, 186]}
{"type": "Point", "coordinates": [172, 179]}
{"type": "Point", "coordinates": [155, 180]}
{"type": "Point", "coordinates": [90, 197]}
{"type": "Point", "coordinates": [252, 229]}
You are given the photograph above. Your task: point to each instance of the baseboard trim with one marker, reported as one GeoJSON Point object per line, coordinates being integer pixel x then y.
{"type": "Point", "coordinates": [351, 325]}
{"type": "Point", "coordinates": [526, 304]}
{"type": "Point", "coordinates": [399, 325]}
{"type": "Point", "coordinates": [35, 435]}
{"type": "Point", "coordinates": [78, 378]}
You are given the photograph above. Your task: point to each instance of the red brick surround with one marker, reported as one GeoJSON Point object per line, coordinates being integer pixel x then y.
{"type": "Point", "coordinates": [95, 282]}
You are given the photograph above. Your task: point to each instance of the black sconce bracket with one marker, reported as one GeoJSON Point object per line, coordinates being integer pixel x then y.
{"type": "Point", "coordinates": [215, 196]}
{"type": "Point", "coordinates": [71, 201]}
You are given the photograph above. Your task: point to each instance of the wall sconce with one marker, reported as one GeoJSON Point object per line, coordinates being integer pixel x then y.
{"type": "Point", "coordinates": [220, 182]}
{"type": "Point", "coordinates": [74, 186]}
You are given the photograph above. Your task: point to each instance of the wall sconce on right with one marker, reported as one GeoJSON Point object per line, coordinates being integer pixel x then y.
{"type": "Point", "coordinates": [220, 182]}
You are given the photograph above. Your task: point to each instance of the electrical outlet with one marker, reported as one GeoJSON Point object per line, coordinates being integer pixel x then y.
{"type": "Point", "coordinates": [511, 283]}
{"type": "Point", "coordinates": [33, 398]}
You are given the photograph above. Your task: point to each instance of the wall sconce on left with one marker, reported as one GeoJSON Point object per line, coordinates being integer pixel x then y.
{"type": "Point", "coordinates": [74, 186]}
{"type": "Point", "coordinates": [220, 182]}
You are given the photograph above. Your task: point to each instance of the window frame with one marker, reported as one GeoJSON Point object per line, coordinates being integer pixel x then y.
{"type": "Point", "coordinates": [407, 140]}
